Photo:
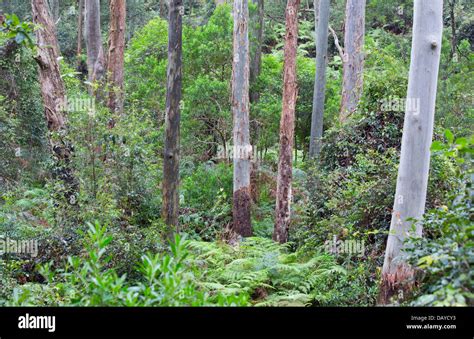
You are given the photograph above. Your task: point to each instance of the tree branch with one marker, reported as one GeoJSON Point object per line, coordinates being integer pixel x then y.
{"type": "Point", "coordinates": [336, 42]}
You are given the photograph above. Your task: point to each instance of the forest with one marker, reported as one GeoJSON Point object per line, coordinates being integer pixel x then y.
{"type": "Point", "coordinates": [236, 153]}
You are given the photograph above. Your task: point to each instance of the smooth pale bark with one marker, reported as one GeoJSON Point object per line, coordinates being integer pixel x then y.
{"type": "Point", "coordinates": [240, 112]}
{"type": "Point", "coordinates": [54, 96]}
{"type": "Point", "coordinates": [412, 181]}
{"type": "Point", "coordinates": [115, 57]}
{"type": "Point", "coordinates": [256, 57]}
{"type": "Point", "coordinates": [287, 125]}
{"type": "Point", "coordinates": [320, 79]}
{"type": "Point", "coordinates": [80, 17]}
{"type": "Point", "coordinates": [173, 97]}
{"type": "Point", "coordinates": [93, 37]}
{"type": "Point", "coordinates": [353, 63]}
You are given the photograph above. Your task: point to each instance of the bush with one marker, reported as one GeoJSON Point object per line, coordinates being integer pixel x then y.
{"type": "Point", "coordinates": [445, 253]}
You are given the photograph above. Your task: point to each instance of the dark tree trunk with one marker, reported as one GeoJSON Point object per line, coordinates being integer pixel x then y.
{"type": "Point", "coordinates": [54, 97]}
{"type": "Point", "coordinates": [287, 125]}
{"type": "Point", "coordinates": [173, 98]}
{"type": "Point", "coordinates": [115, 58]}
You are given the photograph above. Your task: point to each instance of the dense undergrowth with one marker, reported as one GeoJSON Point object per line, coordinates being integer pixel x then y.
{"type": "Point", "coordinates": [112, 251]}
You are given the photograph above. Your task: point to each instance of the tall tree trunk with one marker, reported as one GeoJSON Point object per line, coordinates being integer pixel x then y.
{"type": "Point", "coordinates": [54, 9]}
{"type": "Point", "coordinates": [256, 56]}
{"type": "Point", "coordinates": [163, 8]}
{"type": "Point", "coordinates": [353, 57]}
{"type": "Point", "coordinates": [115, 58]}
{"type": "Point", "coordinates": [320, 78]}
{"type": "Point", "coordinates": [452, 5]}
{"type": "Point", "coordinates": [412, 181]}
{"type": "Point", "coordinates": [95, 50]}
{"type": "Point", "coordinates": [240, 112]}
{"type": "Point", "coordinates": [173, 98]}
{"type": "Point", "coordinates": [80, 18]}
{"type": "Point", "coordinates": [287, 125]}
{"type": "Point", "coordinates": [54, 97]}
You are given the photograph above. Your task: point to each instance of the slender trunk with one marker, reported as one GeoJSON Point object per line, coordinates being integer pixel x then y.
{"type": "Point", "coordinates": [256, 58]}
{"type": "Point", "coordinates": [240, 112]}
{"type": "Point", "coordinates": [163, 8]}
{"type": "Point", "coordinates": [54, 97]}
{"type": "Point", "coordinates": [95, 50]}
{"type": "Point", "coordinates": [115, 58]}
{"type": "Point", "coordinates": [320, 79]}
{"type": "Point", "coordinates": [452, 5]}
{"type": "Point", "coordinates": [353, 57]}
{"type": "Point", "coordinates": [287, 125]}
{"type": "Point", "coordinates": [173, 98]}
{"type": "Point", "coordinates": [80, 17]}
{"type": "Point", "coordinates": [54, 10]}
{"type": "Point", "coordinates": [412, 181]}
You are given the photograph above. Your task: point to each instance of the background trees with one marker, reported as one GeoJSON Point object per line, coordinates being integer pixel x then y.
{"type": "Point", "coordinates": [353, 59]}
{"type": "Point", "coordinates": [320, 81]}
{"type": "Point", "coordinates": [93, 36]}
{"type": "Point", "coordinates": [115, 56]}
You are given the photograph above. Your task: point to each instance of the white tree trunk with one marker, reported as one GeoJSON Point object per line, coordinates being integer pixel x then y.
{"type": "Point", "coordinates": [320, 78]}
{"type": "Point", "coordinates": [240, 111]}
{"type": "Point", "coordinates": [413, 171]}
{"type": "Point", "coordinates": [353, 57]}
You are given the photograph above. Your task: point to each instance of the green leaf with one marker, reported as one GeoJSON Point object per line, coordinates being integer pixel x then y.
{"type": "Point", "coordinates": [449, 136]}
{"type": "Point", "coordinates": [437, 146]}
{"type": "Point", "coordinates": [461, 142]}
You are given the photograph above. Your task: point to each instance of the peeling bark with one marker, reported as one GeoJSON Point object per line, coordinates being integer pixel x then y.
{"type": "Point", "coordinates": [54, 97]}
{"type": "Point", "coordinates": [240, 112]}
{"type": "Point", "coordinates": [173, 98]}
{"type": "Point", "coordinates": [115, 58]}
{"type": "Point", "coordinates": [287, 125]}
